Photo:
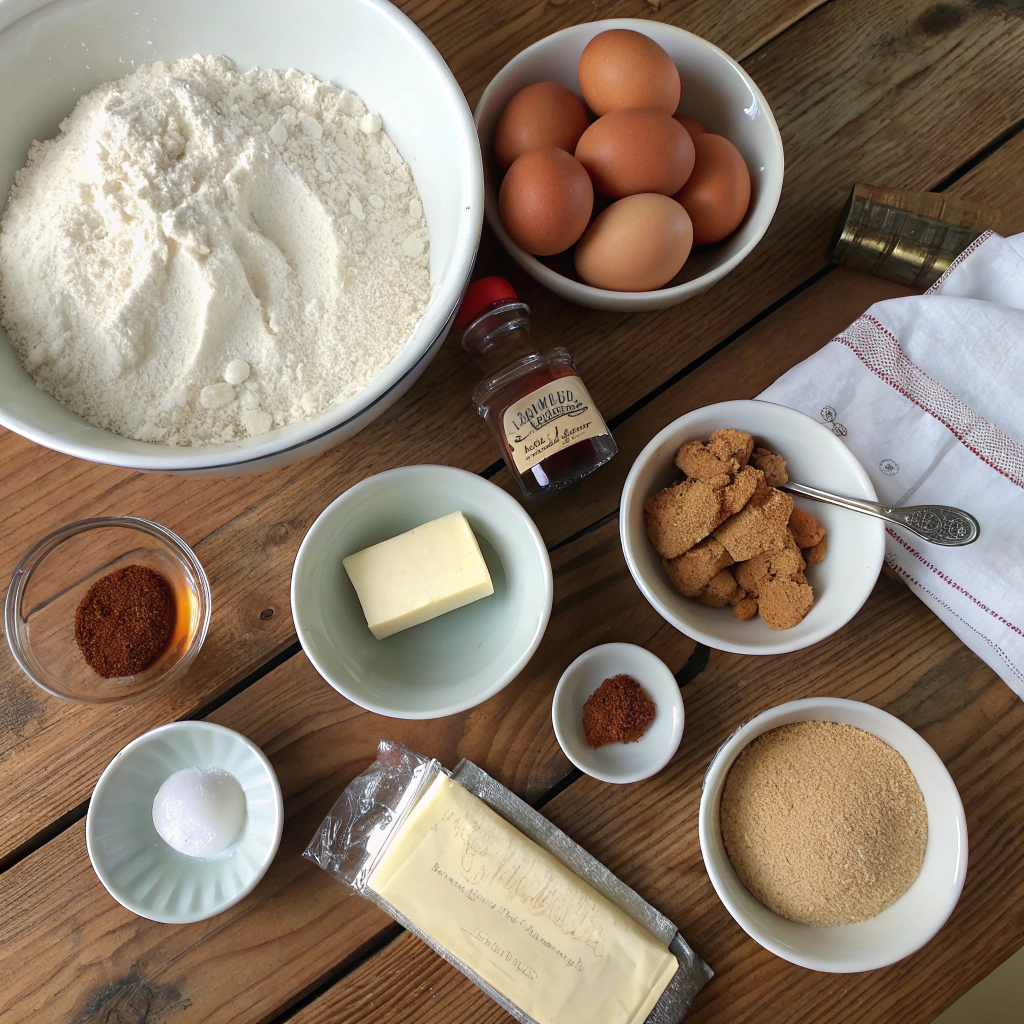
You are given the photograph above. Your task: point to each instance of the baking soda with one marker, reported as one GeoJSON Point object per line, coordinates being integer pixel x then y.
{"type": "Point", "coordinates": [202, 255]}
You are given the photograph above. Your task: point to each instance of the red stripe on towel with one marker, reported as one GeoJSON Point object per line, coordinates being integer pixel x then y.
{"type": "Point", "coordinates": [910, 579]}
{"type": "Point", "coordinates": [956, 586]}
{"type": "Point", "coordinates": [880, 351]}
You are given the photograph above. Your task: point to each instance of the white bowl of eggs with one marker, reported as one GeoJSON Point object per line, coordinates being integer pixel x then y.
{"type": "Point", "coordinates": [184, 822]}
{"type": "Point", "coordinates": [652, 202]}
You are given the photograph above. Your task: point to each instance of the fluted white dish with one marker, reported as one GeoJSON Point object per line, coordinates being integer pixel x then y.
{"type": "Point", "coordinates": [137, 867]}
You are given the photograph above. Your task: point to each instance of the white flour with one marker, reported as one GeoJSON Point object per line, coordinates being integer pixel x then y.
{"type": "Point", "coordinates": [201, 256]}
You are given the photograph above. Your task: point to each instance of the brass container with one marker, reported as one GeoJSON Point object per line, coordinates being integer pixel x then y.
{"type": "Point", "coordinates": [910, 237]}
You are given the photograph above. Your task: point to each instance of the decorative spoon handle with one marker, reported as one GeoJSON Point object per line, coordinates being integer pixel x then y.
{"type": "Point", "coordinates": [938, 524]}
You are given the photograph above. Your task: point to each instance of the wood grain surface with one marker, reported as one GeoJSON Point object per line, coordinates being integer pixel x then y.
{"type": "Point", "coordinates": [857, 88]}
{"type": "Point", "coordinates": [298, 924]}
{"type": "Point", "coordinates": [896, 92]}
{"type": "Point", "coordinates": [246, 531]}
{"type": "Point", "coordinates": [895, 655]}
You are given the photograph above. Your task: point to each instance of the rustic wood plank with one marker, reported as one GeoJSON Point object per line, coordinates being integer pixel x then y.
{"type": "Point", "coordinates": [246, 544]}
{"type": "Point", "coordinates": [87, 955]}
{"type": "Point", "coordinates": [895, 655]}
{"type": "Point", "coordinates": [857, 88]}
{"type": "Point", "coordinates": [477, 39]}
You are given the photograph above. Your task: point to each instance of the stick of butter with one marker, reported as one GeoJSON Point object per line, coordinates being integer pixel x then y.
{"type": "Point", "coordinates": [416, 576]}
{"type": "Point", "coordinates": [514, 914]}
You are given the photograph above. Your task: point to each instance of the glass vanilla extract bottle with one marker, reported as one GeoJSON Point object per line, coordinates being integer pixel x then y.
{"type": "Point", "coordinates": [546, 424]}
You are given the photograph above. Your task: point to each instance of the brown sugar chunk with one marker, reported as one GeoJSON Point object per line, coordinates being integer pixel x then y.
{"type": "Point", "coordinates": [750, 573]}
{"type": "Point", "coordinates": [728, 536]}
{"type": "Point", "coordinates": [719, 590]}
{"type": "Point", "coordinates": [773, 466]}
{"type": "Point", "coordinates": [692, 571]}
{"type": "Point", "coordinates": [805, 528]}
{"type": "Point", "coordinates": [736, 494]}
{"type": "Point", "coordinates": [720, 482]}
{"type": "Point", "coordinates": [682, 515]}
{"type": "Point", "coordinates": [815, 554]}
{"type": "Point", "coordinates": [725, 454]}
{"type": "Point", "coordinates": [754, 571]}
{"type": "Point", "coordinates": [760, 526]}
{"type": "Point", "coordinates": [729, 443]}
{"type": "Point", "coordinates": [782, 603]}
{"type": "Point", "coordinates": [694, 459]}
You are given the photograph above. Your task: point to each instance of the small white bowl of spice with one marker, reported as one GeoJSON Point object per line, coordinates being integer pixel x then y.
{"type": "Point", "coordinates": [618, 713]}
{"type": "Point", "coordinates": [833, 834]}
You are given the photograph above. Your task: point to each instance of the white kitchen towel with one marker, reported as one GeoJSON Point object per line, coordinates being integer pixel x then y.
{"type": "Point", "coordinates": [928, 392]}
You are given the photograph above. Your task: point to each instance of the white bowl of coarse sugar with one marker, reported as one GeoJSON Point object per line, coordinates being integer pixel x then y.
{"type": "Point", "coordinates": [906, 924]}
{"type": "Point", "coordinates": [401, 92]}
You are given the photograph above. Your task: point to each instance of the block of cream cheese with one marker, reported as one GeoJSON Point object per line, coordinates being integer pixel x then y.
{"type": "Point", "coordinates": [416, 576]}
{"type": "Point", "coordinates": [514, 914]}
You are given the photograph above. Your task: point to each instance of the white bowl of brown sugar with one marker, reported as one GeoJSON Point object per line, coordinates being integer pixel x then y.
{"type": "Point", "coordinates": [845, 823]}
{"type": "Point", "coordinates": [832, 584]}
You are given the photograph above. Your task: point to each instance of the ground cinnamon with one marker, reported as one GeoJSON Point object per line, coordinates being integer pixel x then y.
{"type": "Point", "coordinates": [125, 621]}
{"type": "Point", "coordinates": [618, 711]}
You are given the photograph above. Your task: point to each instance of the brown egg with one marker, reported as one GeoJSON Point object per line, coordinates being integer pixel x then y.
{"type": "Point", "coordinates": [691, 124]}
{"type": "Point", "coordinates": [717, 193]}
{"type": "Point", "coordinates": [631, 151]}
{"type": "Point", "coordinates": [638, 244]}
{"type": "Point", "coordinates": [545, 201]}
{"type": "Point", "coordinates": [539, 115]}
{"type": "Point", "coordinates": [619, 69]}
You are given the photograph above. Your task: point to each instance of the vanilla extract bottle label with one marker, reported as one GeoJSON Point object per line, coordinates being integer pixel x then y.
{"type": "Point", "coordinates": [557, 415]}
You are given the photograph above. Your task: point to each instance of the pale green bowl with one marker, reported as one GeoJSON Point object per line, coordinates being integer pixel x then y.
{"type": "Point", "coordinates": [137, 867]}
{"type": "Point", "coordinates": [455, 661]}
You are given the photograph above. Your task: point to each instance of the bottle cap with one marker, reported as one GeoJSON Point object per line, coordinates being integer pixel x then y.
{"type": "Point", "coordinates": [483, 292]}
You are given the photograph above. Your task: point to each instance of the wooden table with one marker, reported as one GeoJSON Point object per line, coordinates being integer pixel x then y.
{"type": "Point", "coordinates": [891, 92]}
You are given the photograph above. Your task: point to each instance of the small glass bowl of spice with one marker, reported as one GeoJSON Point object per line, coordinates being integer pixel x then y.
{"type": "Point", "coordinates": [618, 713]}
{"type": "Point", "coordinates": [107, 610]}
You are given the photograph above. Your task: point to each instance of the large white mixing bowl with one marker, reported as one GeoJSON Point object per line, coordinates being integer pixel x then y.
{"type": "Point", "coordinates": [52, 53]}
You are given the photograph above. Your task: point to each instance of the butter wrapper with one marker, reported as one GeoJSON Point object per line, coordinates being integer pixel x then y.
{"type": "Point", "coordinates": [364, 843]}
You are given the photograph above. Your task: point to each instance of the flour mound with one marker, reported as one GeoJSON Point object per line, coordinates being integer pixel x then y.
{"type": "Point", "coordinates": [202, 256]}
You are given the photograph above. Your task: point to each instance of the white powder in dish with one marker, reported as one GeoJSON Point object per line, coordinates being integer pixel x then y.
{"type": "Point", "coordinates": [202, 256]}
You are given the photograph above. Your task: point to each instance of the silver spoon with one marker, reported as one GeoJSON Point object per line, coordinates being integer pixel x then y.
{"type": "Point", "coordinates": [938, 524]}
